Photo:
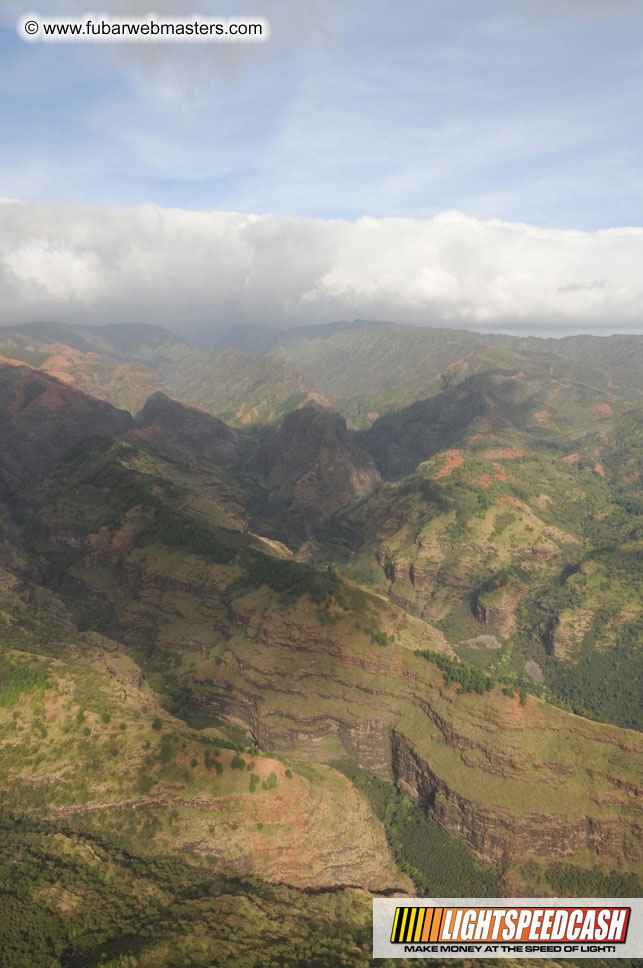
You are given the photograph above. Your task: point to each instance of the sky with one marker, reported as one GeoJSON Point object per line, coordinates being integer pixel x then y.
{"type": "Point", "coordinates": [464, 162]}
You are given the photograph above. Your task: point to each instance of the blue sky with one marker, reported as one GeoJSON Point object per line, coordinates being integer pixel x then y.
{"type": "Point", "coordinates": [499, 108]}
{"type": "Point", "coordinates": [456, 162]}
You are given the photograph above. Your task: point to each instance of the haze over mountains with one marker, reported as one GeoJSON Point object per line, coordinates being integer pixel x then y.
{"type": "Point", "coordinates": [309, 614]}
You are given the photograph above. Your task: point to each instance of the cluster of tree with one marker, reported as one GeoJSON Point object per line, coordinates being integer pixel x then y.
{"type": "Point", "coordinates": [604, 683]}
{"type": "Point", "coordinates": [184, 914]}
{"type": "Point", "coordinates": [568, 881]}
{"type": "Point", "coordinates": [291, 579]}
{"type": "Point", "coordinates": [468, 677]}
{"type": "Point", "coordinates": [176, 528]}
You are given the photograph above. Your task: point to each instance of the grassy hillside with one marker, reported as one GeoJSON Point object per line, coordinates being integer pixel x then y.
{"type": "Point", "coordinates": [532, 540]}
{"type": "Point", "coordinates": [526, 408]}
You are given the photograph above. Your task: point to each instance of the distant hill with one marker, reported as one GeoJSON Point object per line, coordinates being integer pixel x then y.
{"type": "Point", "coordinates": [240, 388]}
{"type": "Point", "coordinates": [126, 363]}
{"type": "Point", "coordinates": [258, 338]}
{"type": "Point", "coordinates": [379, 367]}
{"type": "Point", "coordinates": [125, 384]}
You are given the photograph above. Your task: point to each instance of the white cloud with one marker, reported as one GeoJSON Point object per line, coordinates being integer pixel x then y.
{"type": "Point", "coordinates": [183, 268]}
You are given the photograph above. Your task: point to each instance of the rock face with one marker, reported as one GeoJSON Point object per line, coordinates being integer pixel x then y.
{"type": "Point", "coordinates": [499, 835]}
{"type": "Point", "coordinates": [312, 465]}
{"type": "Point", "coordinates": [499, 775]}
{"type": "Point", "coordinates": [41, 418]}
{"type": "Point", "coordinates": [503, 776]}
{"type": "Point", "coordinates": [178, 428]}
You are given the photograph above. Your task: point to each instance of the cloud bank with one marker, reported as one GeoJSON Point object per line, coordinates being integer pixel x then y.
{"type": "Point", "coordinates": [183, 269]}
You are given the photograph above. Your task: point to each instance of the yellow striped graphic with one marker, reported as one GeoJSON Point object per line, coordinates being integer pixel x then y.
{"type": "Point", "coordinates": [420, 921]}
{"type": "Point", "coordinates": [395, 923]}
{"type": "Point", "coordinates": [416, 924]}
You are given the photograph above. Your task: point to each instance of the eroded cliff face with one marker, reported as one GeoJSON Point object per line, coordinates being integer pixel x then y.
{"type": "Point", "coordinates": [515, 782]}
{"type": "Point", "coordinates": [500, 835]}
{"type": "Point", "coordinates": [300, 824]}
{"type": "Point", "coordinates": [312, 467]}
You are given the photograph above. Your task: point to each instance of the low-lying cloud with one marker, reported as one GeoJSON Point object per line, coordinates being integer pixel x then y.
{"type": "Point", "coordinates": [183, 269]}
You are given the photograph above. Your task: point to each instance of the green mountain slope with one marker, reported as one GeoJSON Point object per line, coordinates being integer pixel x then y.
{"type": "Point", "coordinates": [519, 405]}
{"type": "Point", "coordinates": [126, 385]}
{"type": "Point", "coordinates": [127, 363]}
{"type": "Point", "coordinates": [529, 539]}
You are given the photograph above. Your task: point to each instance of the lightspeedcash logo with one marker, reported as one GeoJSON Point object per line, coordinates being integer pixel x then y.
{"type": "Point", "coordinates": [496, 928]}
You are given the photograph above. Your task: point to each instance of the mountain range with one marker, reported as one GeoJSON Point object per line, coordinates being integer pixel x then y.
{"type": "Point", "coordinates": [292, 618]}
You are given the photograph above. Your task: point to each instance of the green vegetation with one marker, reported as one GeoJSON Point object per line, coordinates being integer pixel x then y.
{"type": "Point", "coordinates": [468, 677]}
{"type": "Point", "coordinates": [133, 583]}
{"type": "Point", "coordinates": [18, 681]}
{"type": "Point", "coordinates": [241, 388]}
{"type": "Point", "coordinates": [439, 864]}
{"type": "Point", "coordinates": [291, 580]}
{"type": "Point", "coordinates": [67, 903]}
{"type": "Point", "coordinates": [177, 529]}
{"type": "Point", "coordinates": [566, 880]}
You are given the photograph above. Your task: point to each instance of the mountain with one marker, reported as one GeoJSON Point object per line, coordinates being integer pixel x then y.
{"type": "Point", "coordinates": [41, 418]}
{"type": "Point", "coordinates": [378, 367]}
{"type": "Point", "coordinates": [185, 430]}
{"type": "Point", "coordinates": [523, 404]}
{"type": "Point", "coordinates": [312, 467]}
{"type": "Point", "coordinates": [255, 675]}
{"type": "Point", "coordinates": [127, 363]}
{"type": "Point", "coordinates": [124, 384]}
{"type": "Point", "coordinates": [317, 669]}
{"type": "Point", "coordinates": [126, 341]}
{"type": "Point", "coordinates": [531, 532]}
{"type": "Point", "coordinates": [240, 388]}
{"type": "Point", "coordinates": [259, 338]}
